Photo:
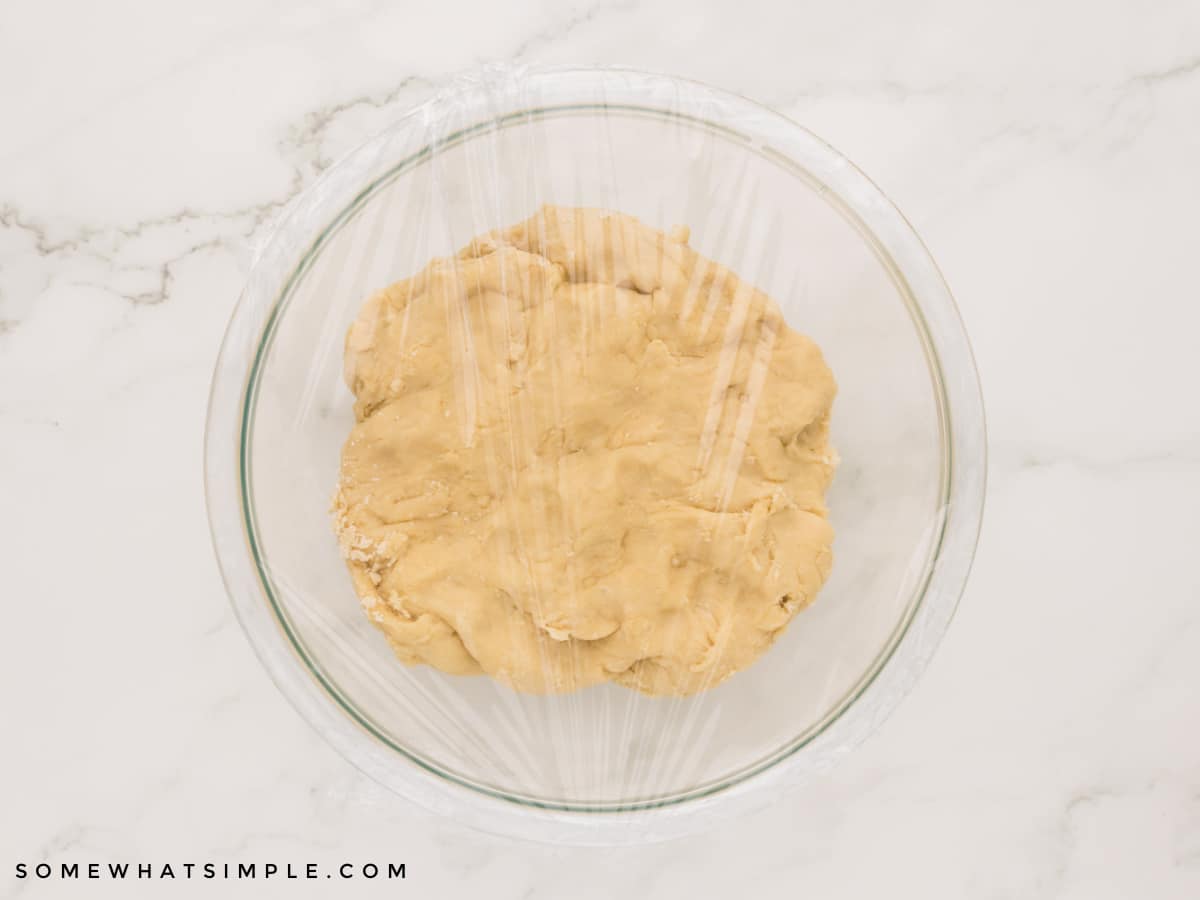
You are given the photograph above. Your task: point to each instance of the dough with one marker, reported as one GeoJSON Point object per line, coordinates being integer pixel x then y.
{"type": "Point", "coordinates": [584, 453]}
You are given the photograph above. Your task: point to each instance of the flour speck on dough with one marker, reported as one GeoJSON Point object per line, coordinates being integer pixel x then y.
{"type": "Point", "coordinates": [584, 453]}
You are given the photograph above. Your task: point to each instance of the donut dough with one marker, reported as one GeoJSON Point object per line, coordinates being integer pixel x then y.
{"type": "Point", "coordinates": [584, 453]}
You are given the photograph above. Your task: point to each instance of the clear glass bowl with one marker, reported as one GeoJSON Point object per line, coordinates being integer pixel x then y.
{"type": "Point", "coordinates": [761, 195]}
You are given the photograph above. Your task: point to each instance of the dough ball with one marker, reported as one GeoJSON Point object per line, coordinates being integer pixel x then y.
{"type": "Point", "coordinates": [584, 453]}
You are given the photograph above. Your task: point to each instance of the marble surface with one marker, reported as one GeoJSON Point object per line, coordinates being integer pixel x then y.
{"type": "Point", "coordinates": [1047, 153]}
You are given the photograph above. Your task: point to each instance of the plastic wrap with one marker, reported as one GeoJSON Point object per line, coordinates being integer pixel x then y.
{"type": "Point", "coordinates": [549, 347]}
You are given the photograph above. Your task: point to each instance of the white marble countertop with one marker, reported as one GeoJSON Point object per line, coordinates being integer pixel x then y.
{"type": "Point", "coordinates": [1048, 153]}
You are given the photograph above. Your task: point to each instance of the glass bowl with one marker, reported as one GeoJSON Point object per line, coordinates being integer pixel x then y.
{"type": "Point", "coordinates": [764, 197]}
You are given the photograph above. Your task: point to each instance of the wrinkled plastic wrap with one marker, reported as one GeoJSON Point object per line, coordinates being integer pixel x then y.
{"type": "Point", "coordinates": [559, 348]}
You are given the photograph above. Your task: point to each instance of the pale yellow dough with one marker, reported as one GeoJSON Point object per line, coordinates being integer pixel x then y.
{"type": "Point", "coordinates": [584, 453]}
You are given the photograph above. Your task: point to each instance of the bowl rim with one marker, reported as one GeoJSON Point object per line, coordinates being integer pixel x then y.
{"type": "Point", "coordinates": [936, 321]}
